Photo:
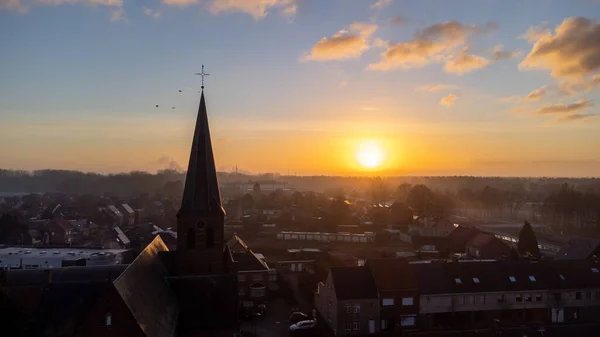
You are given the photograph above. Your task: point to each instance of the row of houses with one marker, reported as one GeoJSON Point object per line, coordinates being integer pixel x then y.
{"type": "Point", "coordinates": [327, 237]}
{"type": "Point", "coordinates": [397, 296]}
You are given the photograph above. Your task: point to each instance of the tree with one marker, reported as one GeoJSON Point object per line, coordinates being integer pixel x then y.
{"type": "Point", "coordinates": [527, 241]}
{"type": "Point", "coordinates": [420, 199]}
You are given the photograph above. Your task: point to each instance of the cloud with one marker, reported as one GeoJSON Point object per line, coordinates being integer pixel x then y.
{"type": "Point", "coordinates": [453, 32]}
{"type": "Point", "coordinates": [436, 87]}
{"type": "Point", "coordinates": [571, 87]}
{"type": "Point", "coordinates": [449, 100]}
{"type": "Point", "coordinates": [537, 94]}
{"type": "Point", "coordinates": [223, 140]}
{"type": "Point", "coordinates": [464, 62]}
{"type": "Point", "coordinates": [343, 84]}
{"type": "Point", "coordinates": [433, 44]}
{"type": "Point", "coordinates": [519, 109]}
{"type": "Point", "coordinates": [573, 51]}
{"type": "Point", "coordinates": [115, 6]}
{"type": "Point", "coordinates": [535, 33]}
{"type": "Point", "coordinates": [152, 13]}
{"type": "Point", "coordinates": [259, 9]}
{"type": "Point", "coordinates": [398, 20]}
{"type": "Point", "coordinates": [576, 118]}
{"type": "Point", "coordinates": [563, 109]}
{"type": "Point", "coordinates": [344, 44]}
{"type": "Point", "coordinates": [513, 98]}
{"type": "Point", "coordinates": [499, 54]}
{"type": "Point", "coordinates": [180, 3]}
{"type": "Point", "coordinates": [380, 4]}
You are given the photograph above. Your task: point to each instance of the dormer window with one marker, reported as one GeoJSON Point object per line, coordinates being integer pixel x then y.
{"type": "Point", "coordinates": [594, 270]}
{"type": "Point", "coordinates": [562, 277]}
{"type": "Point", "coordinates": [476, 280]}
{"type": "Point", "coordinates": [108, 319]}
{"type": "Point", "coordinates": [532, 278]}
{"type": "Point", "coordinates": [458, 281]}
{"type": "Point", "coordinates": [512, 279]}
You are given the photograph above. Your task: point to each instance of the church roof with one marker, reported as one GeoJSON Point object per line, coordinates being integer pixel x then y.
{"type": "Point", "coordinates": [147, 293]}
{"type": "Point", "coordinates": [201, 192]}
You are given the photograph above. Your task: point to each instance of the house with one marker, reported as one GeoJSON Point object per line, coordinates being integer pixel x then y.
{"type": "Point", "coordinates": [460, 236]}
{"type": "Point", "coordinates": [253, 274]}
{"type": "Point", "coordinates": [580, 248]}
{"type": "Point", "coordinates": [348, 302]}
{"type": "Point", "coordinates": [398, 295]}
{"type": "Point", "coordinates": [128, 214]}
{"type": "Point", "coordinates": [115, 214]}
{"type": "Point", "coordinates": [61, 232]}
{"type": "Point", "coordinates": [486, 246]}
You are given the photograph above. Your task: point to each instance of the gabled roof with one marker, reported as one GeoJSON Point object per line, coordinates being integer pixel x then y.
{"type": "Point", "coordinates": [480, 240]}
{"type": "Point", "coordinates": [127, 208]}
{"type": "Point", "coordinates": [461, 235]}
{"type": "Point", "coordinates": [236, 244]}
{"type": "Point", "coordinates": [392, 274]}
{"type": "Point", "coordinates": [147, 293]}
{"type": "Point", "coordinates": [63, 224]}
{"type": "Point", "coordinates": [579, 248]}
{"type": "Point", "coordinates": [244, 256]}
{"type": "Point", "coordinates": [201, 191]}
{"type": "Point", "coordinates": [353, 283]}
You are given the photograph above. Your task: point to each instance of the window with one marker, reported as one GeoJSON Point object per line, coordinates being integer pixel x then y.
{"type": "Point", "coordinates": [562, 277]}
{"type": "Point", "coordinates": [407, 321]}
{"type": "Point", "coordinates": [356, 309]}
{"type": "Point", "coordinates": [210, 238]}
{"type": "Point", "coordinates": [348, 308]}
{"type": "Point", "coordinates": [348, 326]}
{"type": "Point", "coordinates": [387, 302]}
{"type": "Point", "coordinates": [480, 299]}
{"type": "Point", "coordinates": [384, 324]}
{"type": "Point", "coordinates": [578, 295]}
{"type": "Point", "coordinates": [588, 295]}
{"type": "Point", "coordinates": [595, 270]}
{"type": "Point", "coordinates": [527, 298]}
{"type": "Point", "coordinates": [519, 298]}
{"type": "Point", "coordinates": [241, 277]}
{"type": "Point", "coordinates": [407, 301]}
{"type": "Point", "coordinates": [512, 279]}
{"type": "Point", "coordinates": [538, 297]}
{"type": "Point", "coordinates": [257, 277]}
{"type": "Point", "coordinates": [108, 319]}
{"type": "Point", "coordinates": [597, 295]}
{"type": "Point", "coordinates": [355, 326]}
{"type": "Point", "coordinates": [460, 300]}
{"type": "Point", "coordinates": [257, 292]}
{"type": "Point", "coordinates": [469, 299]}
{"type": "Point", "coordinates": [500, 298]}
{"type": "Point", "coordinates": [191, 239]}
{"type": "Point", "coordinates": [532, 278]}
{"type": "Point", "coordinates": [458, 281]}
{"type": "Point", "coordinates": [273, 278]}
{"type": "Point", "coordinates": [557, 297]}
{"type": "Point", "coordinates": [476, 280]}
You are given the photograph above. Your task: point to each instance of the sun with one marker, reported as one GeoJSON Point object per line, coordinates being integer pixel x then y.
{"type": "Point", "coordinates": [370, 154]}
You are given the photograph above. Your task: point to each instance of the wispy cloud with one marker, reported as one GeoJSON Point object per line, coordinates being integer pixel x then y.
{"type": "Point", "coordinates": [436, 87]}
{"type": "Point", "coordinates": [22, 6]}
{"type": "Point", "coordinates": [537, 94]}
{"type": "Point", "coordinates": [449, 100]}
{"type": "Point", "coordinates": [345, 44]}
{"type": "Point", "coordinates": [499, 53]}
{"type": "Point", "coordinates": [153, 13]}
{"type": "Point", "coordinates": [576, 118]}
{"type": "Point", "coordinates": [464, 62]}
{"type": "Point", "coordinates": [259, 9]}
{"type": "Point", "coordinates": [380, 4]}
{"type": "Point", "coordinates": [562, 108]}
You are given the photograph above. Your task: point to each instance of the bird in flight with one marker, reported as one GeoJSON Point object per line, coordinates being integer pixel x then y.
{"type": "Point", "coordinates": [179, 90]}
{"type": "Point", "coordinates": [157, 105]}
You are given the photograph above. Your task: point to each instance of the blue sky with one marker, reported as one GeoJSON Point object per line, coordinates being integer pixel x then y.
{"type": "Point", "coordinates": [293, 84]}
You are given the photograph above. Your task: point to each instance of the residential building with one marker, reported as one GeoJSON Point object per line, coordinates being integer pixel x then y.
{"type": "Point", "coordinates": [348, 302]}
{"type": "Point", "coordinates": [486, 246]}
{"type": "Point", "coordinates": [128, 215]}
{"type": "Point", "coordinates": [580, 248]}
{"type": "Point", "coordinates": [398, 294]}
{"type": "Point", "coordinates": [61, 232]}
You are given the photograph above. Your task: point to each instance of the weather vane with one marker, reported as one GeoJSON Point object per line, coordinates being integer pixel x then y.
{"type": "Point", "coordinates": [202, 74]}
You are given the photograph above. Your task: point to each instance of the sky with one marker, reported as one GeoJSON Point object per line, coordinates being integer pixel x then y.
{"type": "Point", "coordinates": [442, 87]}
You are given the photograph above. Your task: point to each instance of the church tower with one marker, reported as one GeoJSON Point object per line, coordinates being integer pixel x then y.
{"type": "Point", "coordinates": [200, 220]}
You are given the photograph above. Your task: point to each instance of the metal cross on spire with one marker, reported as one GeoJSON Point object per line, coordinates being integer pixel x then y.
{"type": "Point", "coordinates": [202, 74]}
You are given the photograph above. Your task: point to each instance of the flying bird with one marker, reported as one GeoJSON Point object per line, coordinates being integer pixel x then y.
{"type": "Point", "coordinates": [179, 90]}
{"type": "Point", "coordinates": [173, 108]}
{"type": "Point", "coordinates": [157, 105]}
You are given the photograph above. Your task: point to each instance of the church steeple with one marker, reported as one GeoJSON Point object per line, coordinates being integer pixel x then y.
{"type": "Point", "coordinates": [201, 192]}
{"type": "Point", "coordinates": [201, 218]}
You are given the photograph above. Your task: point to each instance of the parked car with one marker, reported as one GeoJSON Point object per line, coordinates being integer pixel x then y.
{"type": "Point", "coordinates": [304, 325]}
{"type": "Point", "coordinates": [297, 317]}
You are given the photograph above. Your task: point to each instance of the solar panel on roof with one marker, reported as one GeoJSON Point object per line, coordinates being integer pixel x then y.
{"type": "Point", "coordinates": [122, 237]}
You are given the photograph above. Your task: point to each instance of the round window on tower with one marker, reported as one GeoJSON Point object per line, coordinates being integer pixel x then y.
{"type": "Point", "coordinates": [200, 224]}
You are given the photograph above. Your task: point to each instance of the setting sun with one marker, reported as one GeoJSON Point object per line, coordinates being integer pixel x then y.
{"type": "Point", "coordinates": [370, 154]}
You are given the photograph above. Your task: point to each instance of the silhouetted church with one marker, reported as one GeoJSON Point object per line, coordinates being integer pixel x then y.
{"type": "Point", "coordinates": [188, 292]}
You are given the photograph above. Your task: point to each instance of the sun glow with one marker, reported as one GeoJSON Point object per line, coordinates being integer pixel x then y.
{"type": "Point", "coordinates": [370, 154]}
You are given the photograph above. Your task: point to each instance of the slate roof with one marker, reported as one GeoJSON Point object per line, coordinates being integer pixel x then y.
{"type": "Point", "coordinates": [201, 191]}
{"type": "Point", "coordinates": [575, 274]}
{"type": "Point", "coordinates": [431, 278]}
{"type": "Point", "coordinates": [579, 248]}
{"type": "Point", "coordinates": [392, 274]}
{"type": "Point", "coordinates": [461, 235]}
{"type": "Point", "coordinates": [147, 294]}
{"type": "Point", "coordinates": [353, 283]}
{"type": "Point", "coordinates": [244, 256]}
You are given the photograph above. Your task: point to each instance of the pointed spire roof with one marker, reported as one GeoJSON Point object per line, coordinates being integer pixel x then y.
{"type": "Point", "coordinates": [201, 192]}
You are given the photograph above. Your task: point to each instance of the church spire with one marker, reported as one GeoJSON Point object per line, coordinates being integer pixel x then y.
{"type": "Point", "coordinates": [201, 192]}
